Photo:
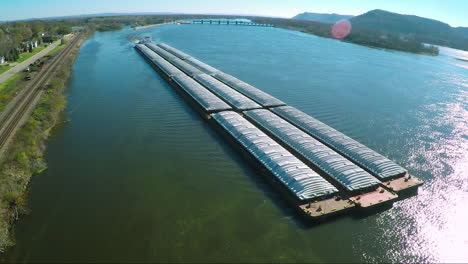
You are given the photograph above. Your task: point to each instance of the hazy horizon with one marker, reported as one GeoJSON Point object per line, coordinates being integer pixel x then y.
{"type": "Point", "coordinates": [451, 11]}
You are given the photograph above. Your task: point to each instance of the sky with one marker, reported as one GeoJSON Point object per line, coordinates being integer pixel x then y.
{"type": "Point", "coordinates": [453, 12]}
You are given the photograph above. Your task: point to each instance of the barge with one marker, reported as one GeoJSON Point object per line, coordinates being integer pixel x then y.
{"type": "Point", "coordinates": [321, 171]}
{"type": "Point", "coordinates": [204, 101]}
{"type": "Point", "coordinates": [393, 175]}
{"type": "Point", "coordinates": [357, 184]}
{"type": "Point", "coordinates": [237, 100]}
{"type": "Point", "coordinates": [304, 188]}
{"type": "Point", "coordinates": [248, 90]}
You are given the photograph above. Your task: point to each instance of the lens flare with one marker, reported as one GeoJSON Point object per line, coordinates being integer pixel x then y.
{"type": "Point", "coordinates": [341, 29]}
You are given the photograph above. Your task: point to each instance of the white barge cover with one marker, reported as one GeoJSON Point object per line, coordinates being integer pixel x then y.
{"type": "Point", "coordinates": [185, 67]}
{"type": "Point", "coordinates": [147, 52]}
{"type": "Point", "coordinates": [301, 180]}
{"type": "Point", "coordinates": [348, 174]}
{"type": "Point", "coordinates": [162, 52]}
{"type": "Point", "coordinates": [206, 99]}
{"type": "Point", "coordinates": [248, 90]}
{"type": "Point", "coordinates": [169, 69]}
{"type": "Point", "coordinates": [233, 97]}
{"type": "Point", "coordinates": [189, 59]}
{"type": "Point", "coordinates": [365, 157]}
{"type": "Point", "coordinates": [174, 51]}
{"type": "Point", "coordinates": [202, 66]}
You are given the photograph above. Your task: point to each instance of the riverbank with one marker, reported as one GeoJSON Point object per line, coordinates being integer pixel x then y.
{"type": "Point", "coordinates": [356, 35]}
{"type": "Point", "coordinates": [26, 151]}
{"type": "Point", "coordinates": [153, 25]}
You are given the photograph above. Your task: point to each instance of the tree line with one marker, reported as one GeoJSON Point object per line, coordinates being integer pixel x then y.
{"type": "Point", "coordinates": [359, 35]}
{"type": "Point", "coordinates": [14, 34]}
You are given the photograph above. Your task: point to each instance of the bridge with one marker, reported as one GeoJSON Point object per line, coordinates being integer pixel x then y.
{"type": "Point", "coordinates": [229, 22]}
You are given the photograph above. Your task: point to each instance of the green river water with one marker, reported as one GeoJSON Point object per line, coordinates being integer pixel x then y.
{"type": "Point", "coordinates": [137, 176]}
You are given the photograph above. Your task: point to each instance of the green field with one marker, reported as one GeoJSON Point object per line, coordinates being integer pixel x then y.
{"type": "Point", "coordinates": [9, 82]}
{"type": "Point", "coordinates": [55, 50]}
{"type": "Point", "coordinates": [9, 88]}
{"type": "Point", "coordinates": [5, 68]}
{"type": "Point", "coordinates": [26, 55]}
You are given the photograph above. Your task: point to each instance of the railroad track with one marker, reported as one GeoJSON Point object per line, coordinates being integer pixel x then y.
{"type": "Point", "coordinates": [26, 99]}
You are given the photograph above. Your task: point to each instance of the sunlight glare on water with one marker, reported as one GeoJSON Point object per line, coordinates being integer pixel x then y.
{"type": "Point", "coordinates": [459, 57]}
{"type": "Point", "coordinates": [433, 225]}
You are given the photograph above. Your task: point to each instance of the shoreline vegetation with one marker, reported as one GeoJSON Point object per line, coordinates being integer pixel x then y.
{"type": "Point", "coordinates": [27, 149]}
{"type": "Point", "coordinates": [358, 35]}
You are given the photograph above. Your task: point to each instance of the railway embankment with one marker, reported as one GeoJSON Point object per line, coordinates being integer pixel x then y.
{"type": "Point", "coordinates": [23, 156]}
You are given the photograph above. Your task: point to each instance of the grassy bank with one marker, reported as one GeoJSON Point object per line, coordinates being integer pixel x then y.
{"type": "Point", "coordinates": [26, 55]}
{"type": "Point", "coordinates": [4, 68]}
{"type": "Point", "coordinates": [56, 49]}
{"type": "Point", "coordinates": [10, 88]}
{"type": "Point", "coordinates": [25, 155]}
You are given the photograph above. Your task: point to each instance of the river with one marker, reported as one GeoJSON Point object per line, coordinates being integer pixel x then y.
{"type": "Point", "coordinates": [137, 176]}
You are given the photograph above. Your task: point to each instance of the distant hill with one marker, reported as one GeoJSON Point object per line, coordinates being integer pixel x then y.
{"type": "Point", "coordinates": [422, 29]}
{"type": "Point", "coordinates": [324, 18]}
{"type": "Point", "coordinates": [462, 31]}
{"type": "Point", "coordinates": [93, 15]}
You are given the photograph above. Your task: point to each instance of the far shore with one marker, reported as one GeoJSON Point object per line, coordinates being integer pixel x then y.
{"type": "Point", "coordinates": [153, 25]}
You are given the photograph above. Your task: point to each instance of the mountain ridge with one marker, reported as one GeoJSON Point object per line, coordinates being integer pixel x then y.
{"type": "Point", "coordinates": [423, 29]}
{"type": "Point", "coordinates": [321, 17]}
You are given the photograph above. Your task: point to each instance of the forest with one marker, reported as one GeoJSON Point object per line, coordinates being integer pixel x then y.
{"type": "Point", "coordinates": [359, 35]}
{"type": "Point", "coordinates": [14, 35]}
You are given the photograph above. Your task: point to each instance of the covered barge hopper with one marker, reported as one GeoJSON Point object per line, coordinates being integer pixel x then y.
{"type": "Point", "coordinates": [162, 52]}
{"type": "Point", "coordinates": [310, 192]}
{"type": "Point", "coordinates": [156, 60]}
{"type": "Point", "coordinates": [248, 90]}
{"type": "Point", "coordinates": [254, 93]}
{"type": "Point", "coordinates": [362, 188]}
{"type": "Point", "coordinates": [202, 66]}
{"type": "Point", "coordinates": [233, 97]}
{"type": "Point", "coordinates": [205, 101]}
{"type": "Point", "coordinates": [185, 67]}
{"type": "Point", "coordinates": [176, 52]}
{"type": "Point", "coordinates": [396, 177]}
{"type": "Point", "coordinates": [191, 60]}
{"type": "Point", "coordinates": [176, 61]}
